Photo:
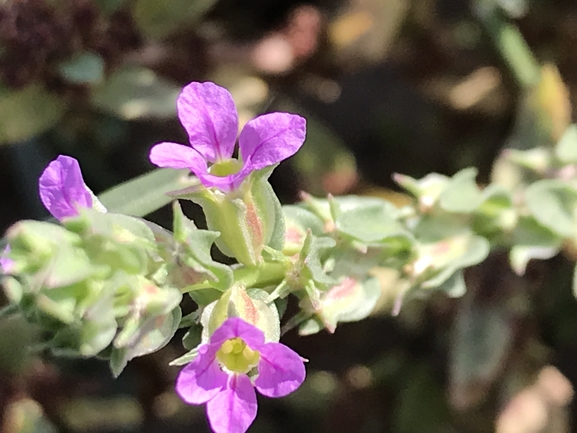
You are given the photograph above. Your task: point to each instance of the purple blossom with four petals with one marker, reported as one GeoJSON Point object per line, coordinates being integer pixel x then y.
{"type": "Point", "coordinates": [208, 114]}
{"type": "Point", "coordinates": [228, 368]}
{"type": "Point", "coordinates": [62, 191]}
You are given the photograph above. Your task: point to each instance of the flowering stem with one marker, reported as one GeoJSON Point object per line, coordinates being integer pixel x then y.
{"type": "Point", "coordinates": [261, 275]}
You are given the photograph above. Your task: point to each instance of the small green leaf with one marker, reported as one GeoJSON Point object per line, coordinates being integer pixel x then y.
{"type": "Point", "coordinates": [532, 241]}
{"type": "Point", "coordinates": [84, 68]}
{"type": "Point", "coordinates": [368, 224]}
{"type": "Point", "coordinates": [146, 193]}
{"type": "Point", "coordinates": [195, 264]}
{"type": "Point", "coordinates": [566, 149]}
{"type": "Point", "coordinates": [537, 159]}
{"type": "Point", "coordinates": [461, 195]}
{"type": "Point", "coordinates": [350, 301]}
{"type": "Point", "coordinates": [153, 335]}
{"type": "Point", "coordinates": [427, 190]}
{"type": "Point", "coordinates": [553, 203]}
{"type": "Point", "coordinates": [186, 358]}
{"type": "Point", "coordinates": [454, 286]}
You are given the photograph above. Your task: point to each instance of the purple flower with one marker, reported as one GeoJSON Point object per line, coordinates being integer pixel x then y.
{"type": "Point", "coordinates": [63, 192]}
{"type": "Point", "coordinates": [62, 188]}
{"type": "Point", "coordinates": [208, 114]}
{"type": "Point", "coordinates": [227, 369]}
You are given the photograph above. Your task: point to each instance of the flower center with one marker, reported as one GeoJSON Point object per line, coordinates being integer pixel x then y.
{"type": "Point", "coordinates": [236, 356]}
{"type": "Point", "coordinates": [225, 167]}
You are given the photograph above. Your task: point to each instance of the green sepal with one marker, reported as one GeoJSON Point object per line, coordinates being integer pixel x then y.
{"type": "Point", "coordinates": [309, 266]}
{"type": "Point", "coordinates": [153, 335]}
{"type": "Point", "coordinates": [250, 305]}
{"type": "Point", "coordinates": [461, 194]}
{"type": "Point", "coordinates": [298, 220]}
{"type": "Point", "coordinates": [192, 264]}
{"type": "Point", "coordinates": [247, 219]}
{"type": "Point", "coordinates": [349, 301]}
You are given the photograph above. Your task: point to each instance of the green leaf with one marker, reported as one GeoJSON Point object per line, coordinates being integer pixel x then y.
{"type": "Point", "coordinates": [186, 358]}
{"type": "Point", "coordinates": [532, 241]}
{"type": "Point", "coordinates": [310, 259]}
{"type": "Point", "coordinates": [83, 68]}
{"type": "Point", "coordinates": [146, 193]}
{"type": "Point", "coordinates": [158, 19]}
{"type": "Point", "coordinates": [311, 326]}
{"type": "Point", "coordinates": [350, 301]}
{"type": "Point", "coordinates": [153, 335]}
{"type": "Point", "coordinates": [27, 112]}
{"type": "Point", "coordinates": [449, 255]}
{"type": "Point", "coordinates": [194, 258]}
{"type": "Point", "coordinates": [454, 286]}
{"type": "Point", "coordinates": [537, 159]}
{"type": "Point", "coordinates": [427, 190]}
{"type": "Point", "coordinates": [461, 194]}
{"type": "Point", "coordinates": [368, 224]}
{"type": "Point", "coordinates": [135, 92]}
{"type": "Point", "coordinates": [303, 218]}
{"type": "Point", "coordinates": [566, 149]}
{"type": "Point", "coordinates": [553, 203]}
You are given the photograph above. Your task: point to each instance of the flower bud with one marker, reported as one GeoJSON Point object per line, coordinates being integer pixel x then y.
{"type": "Point", "coordinates": [249, 305]}
{"type": "Point", "coordinates": [247, 218]}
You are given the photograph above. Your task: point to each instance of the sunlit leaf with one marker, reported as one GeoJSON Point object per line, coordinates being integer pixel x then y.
{"type": "Point", "coordinates": [146, 193]}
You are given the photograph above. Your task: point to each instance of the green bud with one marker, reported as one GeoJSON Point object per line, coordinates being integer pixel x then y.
{"type": "Point", "coordinates": [249, 305]}
{"type": "Point", "coordinates": [247, 219]}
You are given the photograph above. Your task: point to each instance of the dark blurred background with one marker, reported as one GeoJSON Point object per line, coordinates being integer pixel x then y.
{"type": "Point", "coordinates": [407, 86]}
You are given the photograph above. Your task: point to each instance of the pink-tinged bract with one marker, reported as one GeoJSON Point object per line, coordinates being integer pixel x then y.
{"type": "Point", "coordinates": [62, 188]}
{"type": "Point", "coordinates": [208, 114]}
{"type": "Point", "coordinates": [229, 396]}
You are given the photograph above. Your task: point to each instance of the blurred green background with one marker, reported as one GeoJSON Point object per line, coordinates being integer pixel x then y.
{"type": "Point", "coordinates": [406, 86]}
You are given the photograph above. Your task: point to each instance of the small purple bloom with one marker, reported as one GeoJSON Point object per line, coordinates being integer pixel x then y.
{"type": "Point", "coordinates": [63, 192]}
{"type": "Point", "coordinates": [208, 114]}
{"type": "Point", "coordinates": [62, 188]}
{"type": "Point", "coordinates": [228, 368]}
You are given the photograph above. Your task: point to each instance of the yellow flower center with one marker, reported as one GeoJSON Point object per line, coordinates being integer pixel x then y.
{"type": "Point", "coordinates": [225, 167]}
{"type": "Point", "coordinates": [236, 356]}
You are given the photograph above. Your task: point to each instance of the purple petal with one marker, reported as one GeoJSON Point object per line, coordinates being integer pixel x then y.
{"type": "Point", "coordinates": [62, 189]}
{"type": "Point", "coordinates": [234, 408]}
{"type": "Point", "coordinates": [173, 155]}
{"type": "Point", "coordinates": [223, 183]}
{"type": "Point", "coordinates": [271, 138]}
{"type": "Point", "coordinates": [280, 370]}
{"type": "Point", "coordinates": [235, 327]}
{"type": "Point", "coordinates": [202, 379]}
{"type": "Point", "coordinates": [5, 262]}
{"type": "Point", "coordinates": [209, 115]}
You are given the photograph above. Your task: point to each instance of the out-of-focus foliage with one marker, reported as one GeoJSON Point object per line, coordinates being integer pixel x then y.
{"type": "Point", "coordinates": [388, 86]}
